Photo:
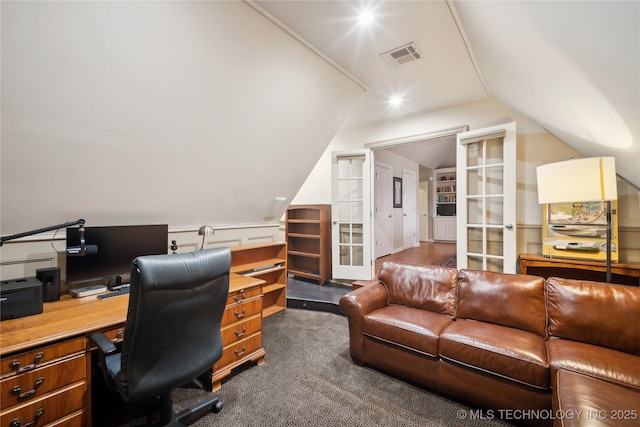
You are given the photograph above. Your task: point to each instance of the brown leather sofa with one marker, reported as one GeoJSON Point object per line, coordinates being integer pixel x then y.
{"type": "Point", "coordinates": [501, 342]}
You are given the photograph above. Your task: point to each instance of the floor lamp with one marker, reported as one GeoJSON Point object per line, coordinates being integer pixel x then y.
{"type": "Point", "coordinates": [580, 180]}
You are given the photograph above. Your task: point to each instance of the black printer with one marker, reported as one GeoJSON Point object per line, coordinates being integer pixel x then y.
{"type": "Point", "coordinates": [20, 297]}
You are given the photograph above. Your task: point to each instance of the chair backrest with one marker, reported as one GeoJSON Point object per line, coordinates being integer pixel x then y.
{"type": "Point", "coordinates": [172, 332]}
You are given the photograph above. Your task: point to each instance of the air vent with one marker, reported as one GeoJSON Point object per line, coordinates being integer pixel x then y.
{"type": "Point", "coordinates": [401, 55]}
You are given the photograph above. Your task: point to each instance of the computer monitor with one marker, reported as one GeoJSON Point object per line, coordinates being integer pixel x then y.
{"type": "Point", "coordinates": [117, 246]}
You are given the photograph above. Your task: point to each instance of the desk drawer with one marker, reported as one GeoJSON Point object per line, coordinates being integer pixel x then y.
{"type": "Point", "coordinates": [243, 295]}
{"type": "Point", "coordinates": [241, 311]}
{"type": "Point", "coordinates": [33, 359]}
{"type": "Point", "coordinates": [47, 409]}
{"type": "Point", "coordinates": [28, 386]}
{"type": "Point", "coordinates": [239, 350]}
{"type": "Point", "coordinates": [240, 330]}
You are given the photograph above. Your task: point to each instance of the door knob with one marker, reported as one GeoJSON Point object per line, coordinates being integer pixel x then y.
{"type": "Point", "coordinates": [508, 226]}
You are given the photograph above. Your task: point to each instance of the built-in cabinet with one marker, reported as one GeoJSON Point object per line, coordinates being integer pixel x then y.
{"type": "Point", "coordinates": [445, 228]}
{"type": "Point", "coordinates": [444, 223]}
{"type": "Point", "coordinates": [308, 231]}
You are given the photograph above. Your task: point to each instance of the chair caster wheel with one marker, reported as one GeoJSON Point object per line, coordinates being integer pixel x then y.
{"type": "Point", "coordinates": [216, 407]}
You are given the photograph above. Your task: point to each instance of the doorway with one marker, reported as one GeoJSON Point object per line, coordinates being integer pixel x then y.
{"type": "Point", "coordinates": [431, 151]}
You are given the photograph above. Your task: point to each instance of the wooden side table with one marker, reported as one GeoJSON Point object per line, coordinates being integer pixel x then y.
{"type": "Point", "coordinates": [621, 273]}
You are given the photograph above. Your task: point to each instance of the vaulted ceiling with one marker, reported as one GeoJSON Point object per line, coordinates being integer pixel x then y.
{"type": "Point", "coordinates": [572, 67]}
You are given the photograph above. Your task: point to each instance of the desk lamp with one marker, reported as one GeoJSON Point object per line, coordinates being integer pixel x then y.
{"type": "Point", "coordinates": [205, 230]}
{"type": "Point", "coordinates": [81, 250]}
{"type": "Point", "coordinates": [580, 180]}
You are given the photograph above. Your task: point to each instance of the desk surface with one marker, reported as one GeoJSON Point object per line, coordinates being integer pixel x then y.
{"type": "Point", "coordinates": [70, 317]}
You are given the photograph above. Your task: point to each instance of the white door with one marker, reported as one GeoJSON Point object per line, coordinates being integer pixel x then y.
{"type": "Point", "coordinates": [486, 204]}
{"type": "Point", "coordinates": [382, 212]}
{"type": "Point", "coordinates": [351, 215]}
{"type": "Point", "coordinates": [409, 212]}
{"type": "Point", "coordinates": [423, 205]}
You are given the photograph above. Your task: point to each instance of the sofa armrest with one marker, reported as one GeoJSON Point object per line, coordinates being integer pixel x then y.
{"type": "Point", "coordinates": [357, 304]}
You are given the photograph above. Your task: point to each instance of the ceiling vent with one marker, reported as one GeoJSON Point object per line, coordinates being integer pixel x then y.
{"type": "Point", "coordinates": [401, 55]}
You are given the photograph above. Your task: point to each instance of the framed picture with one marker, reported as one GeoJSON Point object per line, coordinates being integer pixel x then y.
{"type": "Point", "coordinates": [397, 192]}
{"type": "Point", "coordinates": [578, 230]}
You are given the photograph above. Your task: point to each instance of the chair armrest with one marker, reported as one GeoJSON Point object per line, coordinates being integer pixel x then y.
{"type": "Point", "coordinates": [104, 344]}
{"type": "Point", "coordinates": [364, 300]}
{"type": "Point", "coordinates": [357, 304]}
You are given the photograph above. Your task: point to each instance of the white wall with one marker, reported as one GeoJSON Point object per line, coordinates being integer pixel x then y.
{"type": "Point", "coordinates": [158, 112]}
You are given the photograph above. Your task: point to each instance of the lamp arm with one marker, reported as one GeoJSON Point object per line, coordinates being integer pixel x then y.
{"type": "Point", "coordinates": [79, 222]}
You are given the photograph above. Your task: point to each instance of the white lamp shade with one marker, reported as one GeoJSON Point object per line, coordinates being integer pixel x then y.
{"type": "Point", "coordinates": [579, 180]}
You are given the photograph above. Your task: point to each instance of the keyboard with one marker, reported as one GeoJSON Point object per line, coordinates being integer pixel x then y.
{"type": "Point", "coordinates": [119, 292]}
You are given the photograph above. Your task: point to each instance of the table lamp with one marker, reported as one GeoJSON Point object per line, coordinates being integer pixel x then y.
{"type": "Point", "coordinates": [580, 180]}
{"type": "Point", "coordinates": [205, 230]}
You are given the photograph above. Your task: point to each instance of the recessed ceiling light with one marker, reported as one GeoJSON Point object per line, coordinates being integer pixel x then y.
{"type": "Point", "coordinates": [395, 100]}
{"type": "Point", "coordinates": [365, 18]}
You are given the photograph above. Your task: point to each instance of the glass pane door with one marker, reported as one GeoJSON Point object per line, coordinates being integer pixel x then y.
{"type": "Point", "coordinates": [351, 217]}
{"type": "Point", "coordinates": [486, 202]}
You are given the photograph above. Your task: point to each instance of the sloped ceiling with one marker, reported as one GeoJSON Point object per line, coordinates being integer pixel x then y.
{"type": "Point", "coordinates": [135, 112]}
{"type": "Point", "coordinates": [570, 66]}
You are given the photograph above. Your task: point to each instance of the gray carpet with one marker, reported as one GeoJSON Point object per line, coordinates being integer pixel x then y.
{"type": "Point", "coordinates": [309, 380]}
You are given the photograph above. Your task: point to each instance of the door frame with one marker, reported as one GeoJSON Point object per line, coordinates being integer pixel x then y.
{"type": "Point", "coordinates": [405, 190]}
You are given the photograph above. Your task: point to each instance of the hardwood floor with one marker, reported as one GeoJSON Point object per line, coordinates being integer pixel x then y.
{"type": "Point", "coordinates": [310, 296]}
{"type": "Point", "coordinates": [426, 254]}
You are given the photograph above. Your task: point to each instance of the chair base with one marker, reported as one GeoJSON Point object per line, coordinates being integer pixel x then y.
{"type": "Point", "coordinates": [169, 418]}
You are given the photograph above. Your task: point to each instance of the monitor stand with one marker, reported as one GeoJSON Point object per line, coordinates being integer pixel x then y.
{"type": "Point", "coordinates": [118, 284]}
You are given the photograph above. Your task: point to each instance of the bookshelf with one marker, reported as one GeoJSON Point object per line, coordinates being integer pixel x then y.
{"type": "Point", "coordinates": [267, 262]}
{"type": "Point", "coordinates": [308, 231]}
{"type": "Point", "coordinates": [444, 223]}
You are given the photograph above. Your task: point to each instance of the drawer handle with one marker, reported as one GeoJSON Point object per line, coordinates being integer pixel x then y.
{"type": "Point", "coordinates": [16, 421]}
{"type": "Point", "coordinates": [119, 335]}
{"type": "Point", "coordinates": [240, 315]}
{"type": "Point", "coordinates": [17, 390]}
{"type": "Point", "coordinates": [240, 334]}
{"type": "Point", "coordinates": [242, 296]}
{"type": "Point", "coordinates": [15, 364]}
{"type": "Point", "coordinates": [240, 353]}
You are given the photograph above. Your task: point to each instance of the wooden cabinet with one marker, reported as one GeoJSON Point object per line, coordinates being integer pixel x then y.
{"type": "Point", "coordinates": [445, 228]}
{"type": "Point", "coordinates": [267, 262]}
{"type": "Point", "coordinates": [241, 329]}
{"type": "Point", "coordinates": [257, 289]}
{"type": "Point", "coordinates": [580, 269]}
{"type": "Point", "coordinates": [45, 385]}
{"type": "Point", "coordinates": [308, 231]}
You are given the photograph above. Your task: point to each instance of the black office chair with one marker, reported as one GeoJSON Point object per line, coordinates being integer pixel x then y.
{"type": "Point", "coordinates": [172, 332]}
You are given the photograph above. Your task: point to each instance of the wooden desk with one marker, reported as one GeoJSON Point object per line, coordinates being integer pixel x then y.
{"type": "Point", "coordinates": [622, 273]}
{"type": "Point", "coordinates": [47, 355]}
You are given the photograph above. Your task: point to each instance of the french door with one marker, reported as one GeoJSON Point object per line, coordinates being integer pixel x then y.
{"type": "Point", "coordinates": [351, 215]}
{"type": "Point", "coordinates": [486, 204]}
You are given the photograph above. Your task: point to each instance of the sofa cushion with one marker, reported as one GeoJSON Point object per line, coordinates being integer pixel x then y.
{"type": "Point", "coordinates": [600, 362]}
{"type": "Point", "coordinates": [407, 327]}
{"type": "Point", "coordinates": [429, 287]}
{"type": "Point", "coordinates": [579, 400]}
{"type": "Point", "coordinates": [603, 314]}
{"type": "Point", "coordinates": [512, 300]}
{"type": "Point", "coordinates": [507, 352]}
